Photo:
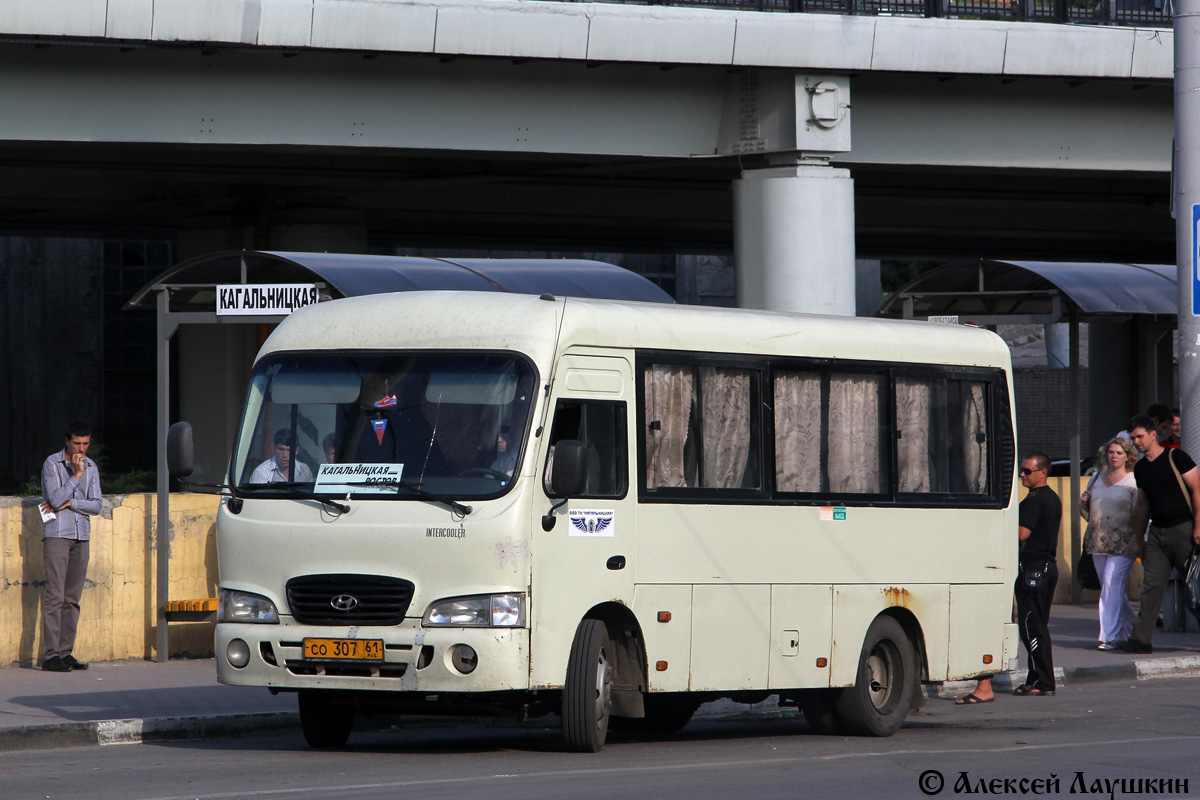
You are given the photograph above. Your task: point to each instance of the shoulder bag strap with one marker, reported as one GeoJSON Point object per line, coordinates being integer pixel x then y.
{"type": "Point", "coordinates": [1182, 487]}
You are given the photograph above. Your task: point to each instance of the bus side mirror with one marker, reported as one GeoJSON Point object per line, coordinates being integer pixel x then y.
{"type": "Point", "coordinates": [569, 477]}
{"type": "Point", "coordinates": [179, 450]}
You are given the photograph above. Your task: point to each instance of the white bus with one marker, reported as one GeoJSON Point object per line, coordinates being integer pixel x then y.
{"type": "Point", "coordinates": [506, 504]}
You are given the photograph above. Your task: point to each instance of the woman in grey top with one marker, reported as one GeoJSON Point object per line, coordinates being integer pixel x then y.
{"type": "Point", "coordinates": [1108, 507]}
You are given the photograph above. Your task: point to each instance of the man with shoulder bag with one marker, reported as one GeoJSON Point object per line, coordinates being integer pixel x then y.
{"type": "Point", "coordinates": [1169, 498]}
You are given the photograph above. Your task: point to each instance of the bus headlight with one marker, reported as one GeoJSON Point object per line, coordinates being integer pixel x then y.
{"type": "Point", "coordinates": [234, 606]}
{"type": "Point", "coordinates": [479, 611]}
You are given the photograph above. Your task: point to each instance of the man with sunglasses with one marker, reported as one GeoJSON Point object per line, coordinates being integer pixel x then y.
{"type": "Point", "coordinates": [1038, 520]}
{"type": "Point", "coordinates": [1169, 497]}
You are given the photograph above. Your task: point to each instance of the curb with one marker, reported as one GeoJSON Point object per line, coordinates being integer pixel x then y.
{"type": "Point", "coordinates": [231, 726]}
{"type": "Point", "coordinates": [1147, 669]}
{"type": "Point", "coordinates": [143, 731]}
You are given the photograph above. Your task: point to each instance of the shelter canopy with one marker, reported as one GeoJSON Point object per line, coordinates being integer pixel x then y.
{"type": "Point", "coordinates": [193, 283]}
{"type": "Point", "coordinates": [990, 292]}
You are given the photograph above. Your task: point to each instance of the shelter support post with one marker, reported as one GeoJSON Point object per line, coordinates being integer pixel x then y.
{"type": "Point", "coordinates": [1073, 381]}
{"type": "Point", "coordinates": [1187, 211]}
{"type": "Point", "coordinates": [794, 239]}
{"type": "Point", "coordinates": [162, 546]}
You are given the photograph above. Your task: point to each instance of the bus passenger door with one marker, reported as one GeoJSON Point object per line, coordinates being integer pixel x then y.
{"type": "Point", "coordinates": [584, 560]}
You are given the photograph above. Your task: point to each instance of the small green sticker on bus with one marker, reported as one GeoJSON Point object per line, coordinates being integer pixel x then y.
{"type": "Point", "coordinates": [839, 513]}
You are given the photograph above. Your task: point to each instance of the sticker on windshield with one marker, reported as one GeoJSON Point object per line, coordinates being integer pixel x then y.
{"type": "Point", "coordinates": [358, 478]}
{"type": "Point", "coordinates": [380, 425]}
{"type": "Point", "coordinates": [592, 522]}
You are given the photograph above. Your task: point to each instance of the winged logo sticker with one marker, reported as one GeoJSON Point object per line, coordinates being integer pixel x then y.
{"type": "Point", "coordinates": [592, 522]}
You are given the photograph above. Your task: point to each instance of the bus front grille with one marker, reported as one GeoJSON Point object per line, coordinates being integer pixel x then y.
{"type": "Point", "coordinates": [349, 599]}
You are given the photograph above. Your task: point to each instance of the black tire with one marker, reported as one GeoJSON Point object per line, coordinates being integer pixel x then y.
{"type": "Point", "coordinates": [587, 691]}
{"type": "Point", "coordinates": [665, 714]}
{"type": "Point", "coordinates": [818, 706]}
{"type": "Point", "coordinates": [324, 722]}
{"type": "Point", "coordinates": [879, 700]}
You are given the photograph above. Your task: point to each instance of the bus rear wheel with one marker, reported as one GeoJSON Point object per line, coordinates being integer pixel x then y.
{"type": "Point", "coordinates": [879, 700]}
{"type": "Point", "coordinates": [324, 722]}
{"type": "Point", "coordinates": [587, 691]}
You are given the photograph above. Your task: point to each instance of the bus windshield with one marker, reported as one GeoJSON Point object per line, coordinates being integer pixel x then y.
{"type": "Point", "coordinates": [359, 424]}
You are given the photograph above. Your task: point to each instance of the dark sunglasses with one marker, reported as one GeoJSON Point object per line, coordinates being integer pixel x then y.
{"type": "Point", "coordinates": [1025, 471]}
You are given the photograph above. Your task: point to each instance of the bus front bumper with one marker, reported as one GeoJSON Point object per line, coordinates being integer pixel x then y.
{"type": "Point", "coordinates": [413, 658]}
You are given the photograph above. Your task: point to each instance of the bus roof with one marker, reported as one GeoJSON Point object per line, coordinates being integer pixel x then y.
{"type": "Point", "coordinates": [529, 324]}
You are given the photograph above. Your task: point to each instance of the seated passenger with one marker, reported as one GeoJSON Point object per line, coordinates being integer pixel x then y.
{"type": "Point", "coordinates": [278, 468]}
{"type": "Point", "coordinates": [506, 459]}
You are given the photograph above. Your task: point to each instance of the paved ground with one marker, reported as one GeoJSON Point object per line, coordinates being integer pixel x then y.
{"type": "Point", "coordinates": [131, 701]}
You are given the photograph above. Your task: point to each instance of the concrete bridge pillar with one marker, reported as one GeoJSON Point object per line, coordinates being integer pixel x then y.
{"type": "Point", "coordinates": [793, 233]}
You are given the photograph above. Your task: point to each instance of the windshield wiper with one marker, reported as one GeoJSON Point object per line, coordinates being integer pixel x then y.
{"type": "Point", "coordinates": [292, 491]}
{"type": "Point", "coordinates": [417, 491]}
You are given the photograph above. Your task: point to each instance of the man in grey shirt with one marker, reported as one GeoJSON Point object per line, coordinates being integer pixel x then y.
{"type": "Point", "coordinates": [70, 496]}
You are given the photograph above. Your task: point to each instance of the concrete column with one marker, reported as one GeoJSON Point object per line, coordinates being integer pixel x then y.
{"type": "Point", "coordinates": [1112, 391]}
{"type": "Point", "coordinates": [793, 234]}
{"type": "Point", "coordinates": [868, 283]}
{"type": "Point", "coordinates": [1058, 342]}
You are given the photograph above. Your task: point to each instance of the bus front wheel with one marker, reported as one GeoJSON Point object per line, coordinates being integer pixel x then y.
{"type": "Point", "coordinates": [878, 702]}
{"type": "Point", "coordinates": [324, 722]}
{"type": "Point", "coordinates": [587, 691]}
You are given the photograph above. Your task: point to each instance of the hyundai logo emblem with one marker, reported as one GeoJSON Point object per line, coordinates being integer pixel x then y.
{"type": "Point", "coordinates": [344, 602]}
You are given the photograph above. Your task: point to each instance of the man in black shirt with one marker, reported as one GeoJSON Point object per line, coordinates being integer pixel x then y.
{"type": "Point", "coordinates": [1038, 519]}
{"type": "Point", "coordinates": [1039, 516]}
{"type": "Point", "coordinates": [1168, 496]}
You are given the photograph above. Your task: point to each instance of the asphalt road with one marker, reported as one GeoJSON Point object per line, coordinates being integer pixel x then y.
{"type": "Point", "coordinates": [1107, 731]}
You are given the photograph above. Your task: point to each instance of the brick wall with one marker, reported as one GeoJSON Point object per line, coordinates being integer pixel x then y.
{"type": "Point", "coordinates": [1044, 411]}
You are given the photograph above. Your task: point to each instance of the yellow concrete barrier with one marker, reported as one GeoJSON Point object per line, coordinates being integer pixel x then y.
{"type": "Point", "coordinates": [118, 617]}
{"type": "Point", "coordinates": [118, 614]}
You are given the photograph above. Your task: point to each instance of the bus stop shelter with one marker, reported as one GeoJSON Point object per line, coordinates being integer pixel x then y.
{"type": "Point", "coordinates": [989, 292]}
{"type": "Point", "coordinates": [260, 288]}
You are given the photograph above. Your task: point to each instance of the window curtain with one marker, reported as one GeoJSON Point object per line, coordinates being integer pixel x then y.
{"type": "Point", "coordinates": [974, 440]}
{"type": "Point", "coordinates": [797, 432]}
{"type": "Point", "coordinates": [913, 399]}
{"type": "Point", "coordinates": [725, 398]}
{"type": "Point", "coordinates": [854, 402]}
{"type": "Point", "coordinates": [669, 393]}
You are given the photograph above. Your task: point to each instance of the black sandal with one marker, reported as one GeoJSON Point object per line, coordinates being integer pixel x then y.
{"type": "Point", "coordinates": [972, 700]}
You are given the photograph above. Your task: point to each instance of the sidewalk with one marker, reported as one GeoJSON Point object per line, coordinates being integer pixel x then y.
{"type": "Point", "coordinates": [119, 702]}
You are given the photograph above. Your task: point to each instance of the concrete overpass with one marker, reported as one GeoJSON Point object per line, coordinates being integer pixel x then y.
{"type": "Point", "coordinates": [795, 141]}
{"type": "Point", "coordinates": [579, 124]}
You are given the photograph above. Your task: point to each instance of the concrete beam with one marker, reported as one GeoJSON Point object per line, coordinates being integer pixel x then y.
{"type": "Point", "coordinates": [613, 33]}
{"type": "Point", "coordinates": [339, 99]}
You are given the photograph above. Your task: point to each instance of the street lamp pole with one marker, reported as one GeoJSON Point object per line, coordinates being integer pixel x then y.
{"type": "Point", "coordinates": [1186, 202]}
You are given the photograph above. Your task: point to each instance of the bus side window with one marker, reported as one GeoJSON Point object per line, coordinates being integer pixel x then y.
{"type": "Point", "coordinates": [702, 427]}
{"type": "Point", "coordinates": [829, 432]}
{"type": "Point", "coordinates": [942, 436]}
{"type": "Point", "coordinates": [601, 427]}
